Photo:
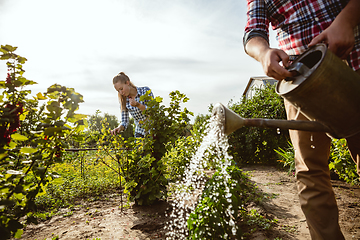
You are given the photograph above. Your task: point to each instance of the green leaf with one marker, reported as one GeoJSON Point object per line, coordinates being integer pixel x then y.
{"type": "Point", "coordinates": [40, 96]}
{"type": "Point", "coordinates": [51, 130]}
{"type": "Point", "coordinates": [28, 150]}
{"type": "Point", "coordinates": [12, 145]}
{"type": "Point", "coordinates": [19, 137]}
{"type": "Point", "coordinates": [158, 99]}
{"type": "Point", "coordinates": [79, 116]}
{"type": "Point", "coordinates": [5, 56]}
{"type": "Point", "coordinates": [8, 48]}
{"type": "Point", "coordinates": [21, 60]}
{"type": "Point", "coordinates": [2, 155]}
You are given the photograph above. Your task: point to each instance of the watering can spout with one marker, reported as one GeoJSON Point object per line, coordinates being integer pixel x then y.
{"type": "Point", "coordinates": [232, 122]}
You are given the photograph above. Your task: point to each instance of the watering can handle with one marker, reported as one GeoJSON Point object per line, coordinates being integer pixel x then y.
{"type": "Point", "coordinates": [299, 68]}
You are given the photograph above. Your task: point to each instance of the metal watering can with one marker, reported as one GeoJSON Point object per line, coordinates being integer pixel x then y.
{"type": "Point", "coordinates": [325, 89]}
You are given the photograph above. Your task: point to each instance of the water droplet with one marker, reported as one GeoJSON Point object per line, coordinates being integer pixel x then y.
{"type": "Point", "coordinates": [278, 130]}
{"type": "Point", "coordinates": [312, 138]}
{"type": "Point", "coordinates": [297, 113]}
{"type": "Point", "coordinates": [312, 146]}
{"type": "Point", "coordinates": [184, 200]}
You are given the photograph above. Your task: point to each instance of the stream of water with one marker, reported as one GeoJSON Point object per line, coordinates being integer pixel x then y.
{"type": "Point", "coordinates": [184, 202]}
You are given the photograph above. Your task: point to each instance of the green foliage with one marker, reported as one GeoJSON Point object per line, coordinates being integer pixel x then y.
{"type": "Point", "coordinates": [222, 206]}
{"type": "Point", "coordinates": [253, 145]}
{"type": "Point", "coordinates": [76, 178]}
{"type": "Point", "coordinates": [165, 124]}
{"type": "Point", "coordinates": [95, 121]}
{"type": "Point", "coordinates": [341, 162]}
{"type": "Point", "coordinates": [287, 156]}
{"type": "Point", "coordinates": [96, 128]}
{"type": "Point", "coordinates": [178, 157]}
{"type": "Point", "coordinates": [32, 139]}
{"type": "Point", "coordinates": [142, 166]}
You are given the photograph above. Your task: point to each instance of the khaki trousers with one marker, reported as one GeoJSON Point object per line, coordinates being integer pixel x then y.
{"type": "Point", "coordinates": [316, 195]}
{"type": "Point", "coordinates": [315, 191]}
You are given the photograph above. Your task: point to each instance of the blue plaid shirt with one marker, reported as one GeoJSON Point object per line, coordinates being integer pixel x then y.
{"type": "Point", "coordinates": [135, 112]}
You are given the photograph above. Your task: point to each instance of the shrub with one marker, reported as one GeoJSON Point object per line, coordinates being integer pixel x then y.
{"type": "Point", "coordinates": [341, 162]}
{"type": "Point", "coordinates": [143, 166]}
{"type": "Point", "coordinates": [253, 145]}
{"type": "Point", "coordinates": [223, 204]}
{"type": "Point", "coordinates": [178, 157]}
{"type": "Point", "coordinates": [32, 139]}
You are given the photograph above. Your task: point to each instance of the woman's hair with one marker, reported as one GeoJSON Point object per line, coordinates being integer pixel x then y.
{"type": "Point", "coordinates": [122, 78]}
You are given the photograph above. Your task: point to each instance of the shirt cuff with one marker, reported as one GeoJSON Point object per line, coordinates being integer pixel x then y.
{"type": "Point", "coordinates": [254, 33]}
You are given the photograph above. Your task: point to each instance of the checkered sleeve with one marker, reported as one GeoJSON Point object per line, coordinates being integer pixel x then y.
{"type": "Point", "coordinates": [125, 118]}
{"type": "Point", "coordinates": [257, 21]}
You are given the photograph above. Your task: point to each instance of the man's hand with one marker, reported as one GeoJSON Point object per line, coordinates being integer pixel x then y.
{"type": "Point", "coordinates": [117, 130]}
{"type": "Point", "coordinates": [259, 49]}
{"type": "Point", "coordinates": [270, 62]}
{"type": "Point", "coordinates": [339, 36]}
{"type": "Point", "coordinates": [339, 39]}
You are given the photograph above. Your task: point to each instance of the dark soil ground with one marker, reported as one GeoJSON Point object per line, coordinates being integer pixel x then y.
{"type": "Point", "coordinates": [104, 219]}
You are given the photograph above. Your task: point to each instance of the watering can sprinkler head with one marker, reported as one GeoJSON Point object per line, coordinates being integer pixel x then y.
{"type": "Point", "coordinates": [229, 119]}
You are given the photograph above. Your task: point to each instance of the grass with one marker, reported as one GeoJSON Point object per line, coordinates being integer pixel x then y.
{"type": "Point", "coordinates": [86, 179]}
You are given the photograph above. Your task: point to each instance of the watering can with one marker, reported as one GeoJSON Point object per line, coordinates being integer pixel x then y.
{"type": "Point", "coordinates": [324, 89]}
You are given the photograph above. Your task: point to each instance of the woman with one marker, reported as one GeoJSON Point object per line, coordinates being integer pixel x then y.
{"type": "Point", "coordinates": [129, 97]}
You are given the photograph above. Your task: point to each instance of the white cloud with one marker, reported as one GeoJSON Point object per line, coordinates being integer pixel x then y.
{"type": "Point", "coordinates": [191, 46]}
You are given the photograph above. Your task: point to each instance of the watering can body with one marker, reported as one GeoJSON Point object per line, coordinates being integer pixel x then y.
{"type": "Point", "coordinates": [326, 90]}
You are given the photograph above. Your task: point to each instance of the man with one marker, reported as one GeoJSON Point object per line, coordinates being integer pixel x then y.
{"type": "Point", "coordinates": [301, 24]}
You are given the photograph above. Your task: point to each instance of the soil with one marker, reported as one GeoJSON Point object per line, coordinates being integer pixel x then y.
{"type": "Point", "coordinates": [104, 219]}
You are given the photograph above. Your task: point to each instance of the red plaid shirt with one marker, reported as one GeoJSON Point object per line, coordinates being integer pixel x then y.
{"type": "Point", "coordinates": [297, 22]}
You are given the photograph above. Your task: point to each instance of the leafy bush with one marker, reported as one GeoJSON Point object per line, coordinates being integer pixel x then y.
{"type": "Point", "coordinates": [142, 166]}
{"type": "Point", "coordinates": [253, 145]}
{"type": "Point", "coordinates": [178, 157]}
{"type": "Point", "coordinates": [341, 162]}
{"type": "Point", "coordinates": [32, 139]}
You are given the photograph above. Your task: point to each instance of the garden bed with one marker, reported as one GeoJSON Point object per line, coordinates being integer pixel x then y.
{"type": "Point", "coordinates": [103, 218]}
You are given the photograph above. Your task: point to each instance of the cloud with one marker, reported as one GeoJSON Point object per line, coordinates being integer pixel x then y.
{"type": "Point", "coordinates": [191, 46]}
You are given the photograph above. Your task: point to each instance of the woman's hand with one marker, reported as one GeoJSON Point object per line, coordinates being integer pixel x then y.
{"type": "Point", "coordinates": [136, 104]}
{"type": "Point", "coordinates": [117, 130]}
{"type": "Point", "coordinates": [133, 102]}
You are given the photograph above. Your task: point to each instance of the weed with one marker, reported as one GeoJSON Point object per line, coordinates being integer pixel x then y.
{"type": "Point", "coordinates": [289, 229]}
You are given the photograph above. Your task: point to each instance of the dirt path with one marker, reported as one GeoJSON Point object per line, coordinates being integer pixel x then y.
{"type": "Point", "coordinates": [104, 219]}
{"type": "Point", "coordinates": [285, 206]}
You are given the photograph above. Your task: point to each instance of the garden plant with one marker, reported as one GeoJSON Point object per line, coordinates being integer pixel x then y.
{"type": "Point", "coordinates": [33, 137]}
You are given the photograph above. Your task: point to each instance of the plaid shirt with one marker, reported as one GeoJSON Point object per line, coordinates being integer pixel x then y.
{"type": "Point", "coordinates": [135, 112]}
{"type": "Point", "coordinates": [297, 22]}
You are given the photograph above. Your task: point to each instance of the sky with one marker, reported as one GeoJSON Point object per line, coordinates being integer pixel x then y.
{"type": "Point", "coordinates": [194, 46]}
